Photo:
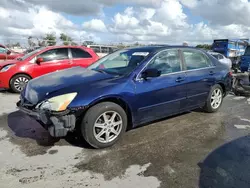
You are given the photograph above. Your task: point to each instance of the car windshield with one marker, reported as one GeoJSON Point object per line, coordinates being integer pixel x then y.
{"type": "Point", "coordinates": [121, 62]}
{"type": "Point", "coordinates": [30, 54]}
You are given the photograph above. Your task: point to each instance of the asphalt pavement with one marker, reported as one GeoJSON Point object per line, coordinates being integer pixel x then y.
{"type": "Point", "coordinates": [194, 149]}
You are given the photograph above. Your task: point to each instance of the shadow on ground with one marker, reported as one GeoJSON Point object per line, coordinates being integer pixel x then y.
{"type": "Point", "coordinates": [228, 166]}
{"type": "Point", "coordinates": [25, 127]}
{"type": "Point", "coordinates": [7, 91]}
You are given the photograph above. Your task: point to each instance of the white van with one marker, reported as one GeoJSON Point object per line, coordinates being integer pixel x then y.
{"type": "Point", "coordinates": [102, 50]}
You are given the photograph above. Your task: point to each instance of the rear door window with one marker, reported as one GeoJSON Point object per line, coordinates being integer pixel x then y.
{"type": "Point", "coordinates": [79, 53]}
{"type": "Point", "coordinates": [195, 60]}
{"type": "Point", "coordinates": [54, 54]}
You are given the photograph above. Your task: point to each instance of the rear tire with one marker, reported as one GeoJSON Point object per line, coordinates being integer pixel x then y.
{"type": "Point", "coordinates": [18, 82]}
{"type": "Point", "coordinates": [214, 100]}
{"type": "Point", "coordinates": [104, 124]}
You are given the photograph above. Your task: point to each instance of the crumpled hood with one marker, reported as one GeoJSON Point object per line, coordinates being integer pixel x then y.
{"type": "Point", "coordinates": [8, 62]}
{"type": "Point", "coordinates": [70, 79]}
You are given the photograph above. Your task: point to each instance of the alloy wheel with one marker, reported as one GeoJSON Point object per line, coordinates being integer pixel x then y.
{"type": "Point", "coordinates": [216, 98]}
{"type": "Point", "coordinates": [108, 126]}
{"type": "Point", "coordinates": [20, 83]}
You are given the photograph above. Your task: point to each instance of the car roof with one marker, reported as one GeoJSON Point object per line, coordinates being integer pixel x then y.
{"type": "Point", "coordinates": [215, 53]}
{"type": "Point", "coordinates": [99, 45]}
{"type": "Point", "coordinates": [65, 46]}
{"type": "Point", "coordinates": [155, 48]}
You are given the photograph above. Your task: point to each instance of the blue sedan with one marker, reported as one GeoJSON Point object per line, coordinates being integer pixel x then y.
{"type": "Point", "coordinates": [125, 89]}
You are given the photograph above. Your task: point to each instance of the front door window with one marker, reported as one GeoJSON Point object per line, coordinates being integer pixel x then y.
{"type": "Point", "coordinates": [167, 62]}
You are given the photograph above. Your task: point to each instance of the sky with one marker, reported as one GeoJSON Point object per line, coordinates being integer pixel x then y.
{"type": "Point", "coordinates": [130, 21]}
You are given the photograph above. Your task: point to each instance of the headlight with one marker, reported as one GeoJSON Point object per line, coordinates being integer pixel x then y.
{"type": "Point", "coordinates": [7, 67]}
{"type": "Point", "coordinates": [58, 103]}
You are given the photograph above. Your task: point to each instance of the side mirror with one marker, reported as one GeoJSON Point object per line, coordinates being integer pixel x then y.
{"type": "Point", "coordinates": [8, 52]}
{"type": "Point", "coordinates": [150, 73]}
{"type": "Point", "coordinates": [39, 60]}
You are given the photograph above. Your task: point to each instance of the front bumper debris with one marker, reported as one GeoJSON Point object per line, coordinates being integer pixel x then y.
{"type": "Point", "coordinates": [58, 124]}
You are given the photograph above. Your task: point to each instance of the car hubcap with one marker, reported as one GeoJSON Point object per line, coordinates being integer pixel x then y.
{"type": "Point", "coordinates": [107, 127]}
{"type": "Point", "coordinates": [216, 98]}
{"type": "Point", "coordinates": [20, 83]}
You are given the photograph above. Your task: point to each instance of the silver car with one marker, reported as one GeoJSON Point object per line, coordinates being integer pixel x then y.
{"type": "Point", "coordinates": [222, 59]}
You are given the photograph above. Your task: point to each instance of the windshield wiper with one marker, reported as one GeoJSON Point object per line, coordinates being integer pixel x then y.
{"type": "Point", "coordinates": [107, 72]}
{"type": "Point", "coordinates": [100, 70]}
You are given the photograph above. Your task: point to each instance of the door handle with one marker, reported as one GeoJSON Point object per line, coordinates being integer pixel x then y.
{"type": "Point", "coordinates": [211, 73]}
{"type": "Point", "coordinates": [180, 79]}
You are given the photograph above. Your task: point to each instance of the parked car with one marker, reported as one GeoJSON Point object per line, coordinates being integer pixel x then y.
{"type": "Point", "coordinates": [222, 58]}
{"type": "Point", "coordinates": [31, 49]}
{"type": "Point", "coordinates": [17, 73]}
{"type": "Point", "coordinates": [107, 97]}
{"type": "Point", "coordinates": [6, 54]}
{"type": "Point", "coordinates": [245, 61]}
{"type": "Point", "coordinates": [231, 48]}
{"type": "Point", "coordinates": [102, 50]}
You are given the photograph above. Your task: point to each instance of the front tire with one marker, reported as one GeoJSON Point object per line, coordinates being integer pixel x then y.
{"type": "Point", "coordinates": [18, 82]}
{"type": "Point", "coordinates": [214, 100]}
{"type": "Point", "coordinates": [104, 124]}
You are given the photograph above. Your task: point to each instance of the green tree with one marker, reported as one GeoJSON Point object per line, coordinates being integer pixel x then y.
{"type": "Point", "coordinates": [74, 44]}
{"type": "Point", "coordinates": [17, 44]}
{"type": "Point", "coordinates": [41, 43]}
{"type": "Point", "coordinates": [121, 45]}
{"type": "Point", "coordinates": [66, 39]}
{"type": "Point", "coordinates": [50, 38]}
{"type": "Point", "coordinates": [137, 44]}
{"type": "Point", "coordinates": [204, 46]}
{"type": "Point", "coordinates": [31, 42]}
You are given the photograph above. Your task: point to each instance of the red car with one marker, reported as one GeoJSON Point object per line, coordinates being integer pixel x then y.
{"type": "Point", "coordinates": [6, 53]}
{"type": "Point", "coordinates": [14, 74]}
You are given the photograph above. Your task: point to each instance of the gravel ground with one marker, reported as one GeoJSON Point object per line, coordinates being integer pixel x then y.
{"type": "Point", "coordinates": [191, 150]}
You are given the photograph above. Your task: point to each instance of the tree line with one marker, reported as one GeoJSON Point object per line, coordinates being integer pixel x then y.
{"type": "Point", "coordinates": [50, 39]}
{"type": "Point", "coordinates": [204, 46]}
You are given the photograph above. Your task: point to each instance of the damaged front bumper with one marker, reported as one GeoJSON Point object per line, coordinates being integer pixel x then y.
{"type": "Point", "coordinates": [58, 124]}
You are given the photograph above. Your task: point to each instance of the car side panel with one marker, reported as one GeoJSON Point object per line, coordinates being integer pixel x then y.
{"type": "Point", "coordinates": [83, 61]}
{"type": "Point", "coordinates": [3, 56]}
{"type": "Point", "coordinates": [159, 97]}
{"type": "Point", "coordinates": [20, 68]}
{"type": "Point", "coordinates": [50, 66]}
{"type": "Point", "coordinates": [199, 83]}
